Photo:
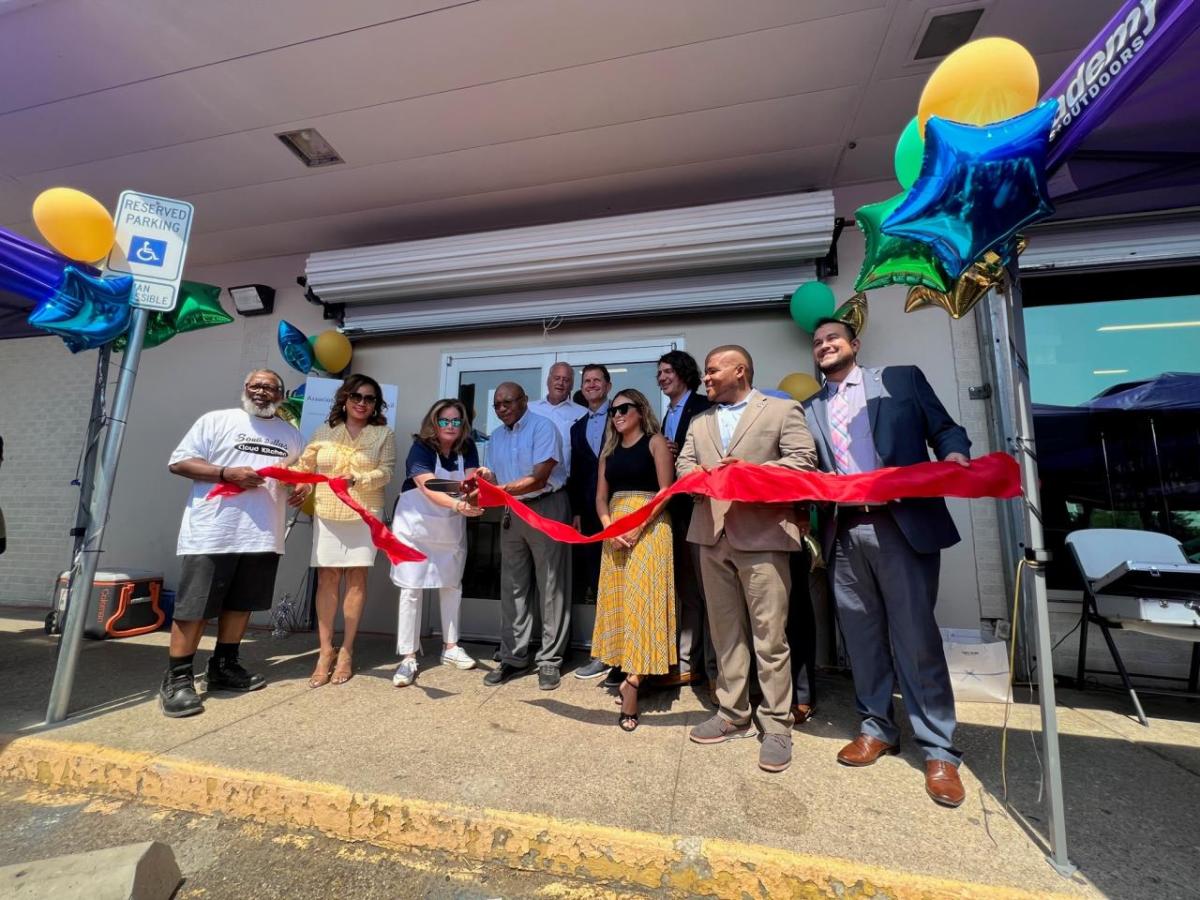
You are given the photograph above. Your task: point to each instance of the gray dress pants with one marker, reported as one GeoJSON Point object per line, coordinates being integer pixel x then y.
{"type": "Point", "coordinates": [885, 592]}
{"type": "Point", "coordinates": [527, 555]}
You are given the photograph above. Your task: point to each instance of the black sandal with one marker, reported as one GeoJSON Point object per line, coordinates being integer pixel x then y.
{"type": "Point", "coordinates": [628, 722]}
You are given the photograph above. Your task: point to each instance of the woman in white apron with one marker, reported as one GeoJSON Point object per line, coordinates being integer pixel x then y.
{"type": "Point", "coordinates": [434, 523]}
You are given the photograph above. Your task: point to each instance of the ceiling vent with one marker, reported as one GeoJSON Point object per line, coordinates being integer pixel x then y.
{"type": "Point", "coordinates": [947, 32]}
{"type": "Point", "coordinates": [308, 144]}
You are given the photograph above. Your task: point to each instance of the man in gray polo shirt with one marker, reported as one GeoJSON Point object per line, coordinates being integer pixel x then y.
{"type": "Point", "coordinates": [525, 459]}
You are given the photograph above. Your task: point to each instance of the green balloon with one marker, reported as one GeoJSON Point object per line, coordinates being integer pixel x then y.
{"type": "Point", "coordinates": [910, 151]}
{"type": "Point", "coordinates": [199, 306]}
{"type": "Point", "coordinates": [895, 260]}
{"type": "Point", "coordinates": [159, 330]}
{"type": "Point", "coordinates": [810, 303]}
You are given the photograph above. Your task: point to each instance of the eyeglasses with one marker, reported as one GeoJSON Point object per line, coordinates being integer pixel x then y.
{"type": "Point", "coordinates": [450, 423]}
{"type": "Point", "coordinates": [621, 409]}
{"type": "Point", "coordinates": [500, 404]}
{"type": "Point", "coordinates": [356, 397]}
{"type": "Point", "coordinates": [262, 387]}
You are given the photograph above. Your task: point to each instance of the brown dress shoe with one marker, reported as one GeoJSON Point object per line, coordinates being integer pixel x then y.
{"type": "Point", "coordinates": [802, 712]}
{"type": "Point", "coordinates": [864, 750]}
{"type": "Point", "coordinates": [943, 784]}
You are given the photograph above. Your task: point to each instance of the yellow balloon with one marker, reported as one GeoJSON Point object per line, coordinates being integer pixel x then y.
{"type": "Point", "coordinates": [985, 81]}
{"type": "Point", "coordinates": [73, 223]}
{"type": "Point", "coordinates": [332, 350]}
{"type": "Point", "coordinates": [799, 385]}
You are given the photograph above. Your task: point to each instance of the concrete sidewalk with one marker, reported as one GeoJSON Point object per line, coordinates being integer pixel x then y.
{"type": "Point", "coordinates": [546, 781]}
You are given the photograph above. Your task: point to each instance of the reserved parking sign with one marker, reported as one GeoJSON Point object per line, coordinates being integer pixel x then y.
{"type": "Point", "coordinates": [151, 245]}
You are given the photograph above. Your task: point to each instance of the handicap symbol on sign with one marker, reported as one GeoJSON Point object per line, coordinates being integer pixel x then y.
{"type": "Point", "coordinates": [147, 251]}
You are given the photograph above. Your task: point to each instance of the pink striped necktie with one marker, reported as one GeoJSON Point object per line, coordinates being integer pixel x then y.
{"type": "Point", "coordinates": [839, 426]}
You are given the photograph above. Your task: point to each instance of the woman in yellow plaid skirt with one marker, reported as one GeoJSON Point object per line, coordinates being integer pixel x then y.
{"type": "Point", "coordinates": [635, 603]}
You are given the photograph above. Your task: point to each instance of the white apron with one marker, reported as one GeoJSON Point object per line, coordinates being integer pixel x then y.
{"type": "Point", "coordinates": [439, 533]}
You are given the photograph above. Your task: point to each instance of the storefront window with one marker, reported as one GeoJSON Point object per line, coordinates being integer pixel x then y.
{"type": "Point", "coordinates": [1116, 387]}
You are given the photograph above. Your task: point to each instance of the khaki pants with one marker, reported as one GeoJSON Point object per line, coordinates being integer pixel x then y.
{"type": "Point", "coordinates": [747, 596]}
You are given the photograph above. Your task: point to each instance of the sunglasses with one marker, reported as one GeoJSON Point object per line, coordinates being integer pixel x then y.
{"type": "Point", "coordinates": [450, 423]}
{"type": "Point", "coordinates": [356, 397]}
{"type": "Point", "coordinates": [621, 409]}
{"type": "Point", "coordinates": [263, 388]}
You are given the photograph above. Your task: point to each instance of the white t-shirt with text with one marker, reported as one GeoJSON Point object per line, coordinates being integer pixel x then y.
{"type": "Point", "coordinates": [252, 521]}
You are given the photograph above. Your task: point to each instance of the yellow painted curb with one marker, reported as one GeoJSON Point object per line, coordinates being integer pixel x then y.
{"type": "Point", "coordinates": [691, 865]}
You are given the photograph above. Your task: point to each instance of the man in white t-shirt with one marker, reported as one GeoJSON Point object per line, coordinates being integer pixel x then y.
{"type": "Point", "coordinates": [230, 546]}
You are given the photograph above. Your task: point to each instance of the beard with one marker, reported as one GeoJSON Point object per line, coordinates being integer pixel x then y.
{"type": "Point", "coordinates": [262, 412]}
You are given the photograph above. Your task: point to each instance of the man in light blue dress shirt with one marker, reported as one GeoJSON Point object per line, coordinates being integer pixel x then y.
{"type": "Point", "coordinates": [524, 457]}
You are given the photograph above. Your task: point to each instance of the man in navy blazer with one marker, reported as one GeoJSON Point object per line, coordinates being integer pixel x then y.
{"type": "Point", "coordinates": [884, 559]}
{"type": "Point", "coordinates": [587, 439]}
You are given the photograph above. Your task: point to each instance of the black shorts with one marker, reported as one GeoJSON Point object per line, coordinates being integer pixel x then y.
{"type": "Point", "coordinates": [210, 583]}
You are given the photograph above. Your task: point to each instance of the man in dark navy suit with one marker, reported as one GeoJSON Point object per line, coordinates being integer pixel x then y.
{"type": "Point", "coordinates": [884, 559]}
{"type": "Point", "coordinates": [679, 379]}
{"type": "Point", "coordinates": [587, 437]}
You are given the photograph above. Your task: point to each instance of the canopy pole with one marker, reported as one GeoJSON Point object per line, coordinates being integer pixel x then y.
{"type": "Point", "coordinates": [89, 553]}
{"type": "Point", "coordinates": [87, 474]}
{"type": "Point", "coordinates": [1036, 557]}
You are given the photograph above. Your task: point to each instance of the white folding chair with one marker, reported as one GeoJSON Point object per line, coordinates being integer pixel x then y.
{"type": "Point", "coordinates": [1097, 552]}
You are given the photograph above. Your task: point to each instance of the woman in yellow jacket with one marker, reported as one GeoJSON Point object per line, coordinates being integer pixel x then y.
{"type": "Point", "coordinates": [356, 444]}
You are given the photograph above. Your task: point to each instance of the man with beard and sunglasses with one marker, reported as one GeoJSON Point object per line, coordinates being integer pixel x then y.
{"type": "Point", "coordinates": [230, 547]}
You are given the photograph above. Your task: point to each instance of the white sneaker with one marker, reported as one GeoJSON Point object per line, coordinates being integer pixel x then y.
{"type": "Point", "coordinates": [406, 673]}
{"type": "Point", "coordinates": [457, 657]}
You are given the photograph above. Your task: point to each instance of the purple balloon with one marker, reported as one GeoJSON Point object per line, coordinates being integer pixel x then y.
{"type": "Point", "coordinates": [31, 270]}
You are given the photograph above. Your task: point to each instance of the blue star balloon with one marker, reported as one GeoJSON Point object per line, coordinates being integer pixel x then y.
{"type": "Point", "coordinates": [979, 186]}
{"type": "Point", "coordinates": [294, 348]}
{"type": "Point", "coordinates": [86, 311]}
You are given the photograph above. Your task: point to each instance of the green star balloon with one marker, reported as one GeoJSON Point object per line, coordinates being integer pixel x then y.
{"type": "Point", "coordinates": [199, 306]}
{"type": "Point", "coordinates": [895, 260]}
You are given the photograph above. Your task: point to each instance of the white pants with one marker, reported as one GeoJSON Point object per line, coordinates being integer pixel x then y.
{"type": "Point", "coordinates": [408, 626]}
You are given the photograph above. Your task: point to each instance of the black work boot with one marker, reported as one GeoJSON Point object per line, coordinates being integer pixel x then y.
{"type": "Point", "coordinates": [177, 695]}
{"type": "Point", "coordinates": [225, 673]}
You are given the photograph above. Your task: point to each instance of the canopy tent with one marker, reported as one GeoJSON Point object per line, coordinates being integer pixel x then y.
{"type": "Point", "coordinates": [14, 310]}
{"type": "Point", "coordinates": [1126, 101]}
{"type": "Point", "coordinates": [1143, 153]}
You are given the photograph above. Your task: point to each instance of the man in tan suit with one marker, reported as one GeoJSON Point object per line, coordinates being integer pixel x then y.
{"type": "Point", "coordinates": [744, 551]}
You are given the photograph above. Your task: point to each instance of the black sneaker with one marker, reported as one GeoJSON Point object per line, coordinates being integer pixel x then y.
{"type": "Point", "coordinates": [548, 678]}
{"type": "Point", "coordinates": [615, 677]}
{"type": "Point", "coordinates": [503, 673]}
{"type": "Point", "coordinates": [177, 694]}
{"type": "Point", "coordinates": [227, 674]}
{"type": "Point", "coordinates": [593, 668]}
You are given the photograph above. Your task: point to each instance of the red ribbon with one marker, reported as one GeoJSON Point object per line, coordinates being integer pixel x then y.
{"type": "Point", "coordinates": [995, 475]}
{"type": "Point", "coordinates": [397, 551]}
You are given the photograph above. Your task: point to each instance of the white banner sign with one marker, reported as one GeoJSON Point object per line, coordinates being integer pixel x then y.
{"type": "Point", "coordinates": [318, 401]}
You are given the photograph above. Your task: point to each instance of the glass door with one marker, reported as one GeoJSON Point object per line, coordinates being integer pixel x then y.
{"type": "Point", "coordinates": [473, 377]}
{"type": "Point", "coordinates": [475, 385]}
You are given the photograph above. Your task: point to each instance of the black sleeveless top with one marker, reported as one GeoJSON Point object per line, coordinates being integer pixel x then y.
{"type": "Point", "coordinates": [631, 468]}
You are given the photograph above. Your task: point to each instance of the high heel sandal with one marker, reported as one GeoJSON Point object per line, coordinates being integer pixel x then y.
{"type": "Point", "coordinates": [628, 722]}
{"type": "Point", "coordinates": [324, 670]}
{"type": "Point", "coordinates": [344, 670]}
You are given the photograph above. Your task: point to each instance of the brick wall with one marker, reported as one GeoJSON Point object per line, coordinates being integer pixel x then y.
{"type": "Point", "coordinates": [44, 408]}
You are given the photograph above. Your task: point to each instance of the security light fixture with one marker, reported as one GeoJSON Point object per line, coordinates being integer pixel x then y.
{"type": "Point", "coordinates": [947, 32]}
{"type": "Point", "coordinates": [253, 299]}
{"type": "Point", "coordinates": [308, 144]}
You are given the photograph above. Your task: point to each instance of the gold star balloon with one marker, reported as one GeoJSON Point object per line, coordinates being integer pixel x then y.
{"type": "Point", "coordinates": [972, 287]}
{"type": "Point", "coordinates": [854, 313]}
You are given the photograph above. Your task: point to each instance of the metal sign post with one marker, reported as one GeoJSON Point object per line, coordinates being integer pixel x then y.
{"type": "Point", "coordinates": [81, 586]}
{"type": "Point", "coordinates": [151, 244]}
